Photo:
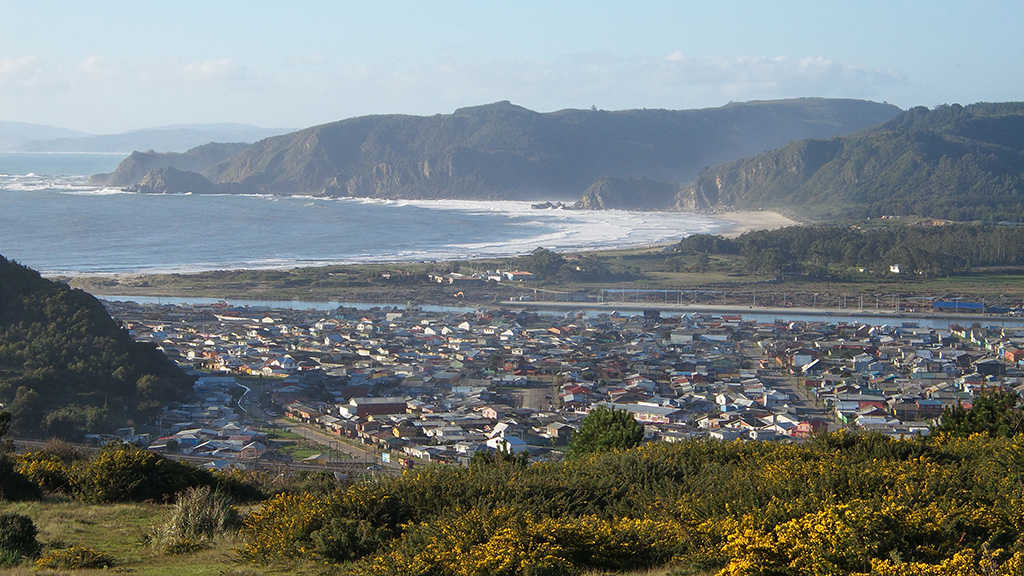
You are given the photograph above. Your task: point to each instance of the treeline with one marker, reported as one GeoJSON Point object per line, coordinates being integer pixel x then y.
{"type": "Point", "coordinates": [548, 265]}
{"type": "Point", "coordinates": [67, 368]}
{"type": "Point", "coordinates": [840, 252]}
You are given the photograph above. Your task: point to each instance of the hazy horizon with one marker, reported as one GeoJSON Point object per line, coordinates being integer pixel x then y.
{"type": "Point", "coordinates": [129, 66]}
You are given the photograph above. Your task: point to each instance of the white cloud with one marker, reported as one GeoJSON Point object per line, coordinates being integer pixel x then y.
{"type": "Point", "coordinates": [90, 64]}
{"type": "Point", "coordinates": [93, 66]}
{"type": "Point", "coordinates": [215, 68]}
{"type": "Point", "coordinates": [224, 72]}
{"type": "Point", "coordinates": [22, 71]}
{"type": "Point", "coordinates": [811, 75]}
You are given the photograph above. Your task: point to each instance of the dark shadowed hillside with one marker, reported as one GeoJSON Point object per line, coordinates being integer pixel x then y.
{"type": "Point", "coordinates": [66, 368]}
{"type": "Point", "coordinates": [136, 166]}
{"type": "Point", "coordinates": [505, 151]}
{"type": "Point", "coordinates": [628, 194]}
{"type": "Point", "coordinates": [951, 162]}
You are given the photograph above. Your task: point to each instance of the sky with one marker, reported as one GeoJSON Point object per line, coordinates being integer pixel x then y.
{"type": "Point", "coordinates": [109, 66]}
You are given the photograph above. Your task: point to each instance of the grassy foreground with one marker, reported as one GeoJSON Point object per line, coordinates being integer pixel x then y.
{"type": "Point", "coordinates": [840, 504]}
{"type": "Point", "coordinates": [120, 530]}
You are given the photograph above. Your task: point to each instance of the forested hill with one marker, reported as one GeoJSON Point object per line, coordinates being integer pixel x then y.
{"type": "Point", "coordinates": [955, 162]}
{"type": "Point", "coordinates": [504, 151]}
{"type": "Point", "coordinates": [67, 368]}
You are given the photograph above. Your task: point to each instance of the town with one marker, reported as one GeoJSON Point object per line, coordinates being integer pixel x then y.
{"type": "Point", "coordinates": [384, 388]}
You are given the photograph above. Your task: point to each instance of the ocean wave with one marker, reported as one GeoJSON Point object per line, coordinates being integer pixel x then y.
{"type": "Point", "coordinates": [32, 182]}
{"type": "Point", "coordinates": [95, 192]}
{"type": "Point", "coordinates": [335, 232]}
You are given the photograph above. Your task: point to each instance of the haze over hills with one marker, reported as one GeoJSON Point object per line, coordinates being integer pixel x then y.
{"type": "Point", "coordinates": [504, 151]}
{"type": "Point", "coordinates": [952, 162]}
{"type": "Point", "coordinates": [17, 137]}
{"type": "Point", "coordinates": [13, 135]}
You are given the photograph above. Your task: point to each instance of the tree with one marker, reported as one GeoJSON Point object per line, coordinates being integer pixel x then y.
{"type": "Point", "coordinates": [13, 485]}
{"type": "Point", "coordinates": [484, 458]}
{"type": "Point", "coordinates": [606, 429]}
{"type": "Point", "coordinates": [26, 410]}
{"type": "Point", "coordinates": [6, 446]}
{"type": "Point", "coordinates": [994, 413]}
{"type": "Point", "coordinates": [543, 262]}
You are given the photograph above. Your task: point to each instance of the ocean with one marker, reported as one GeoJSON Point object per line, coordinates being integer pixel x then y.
{"type": "Point", "coordinates": [52, 220]}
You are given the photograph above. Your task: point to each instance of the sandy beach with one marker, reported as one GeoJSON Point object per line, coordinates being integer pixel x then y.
{"type": "Point", "coordinates": [750, 220]}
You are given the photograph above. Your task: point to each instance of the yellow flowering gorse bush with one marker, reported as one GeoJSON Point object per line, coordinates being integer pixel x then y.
{"type": "Point", "coordinates": [837, 505]}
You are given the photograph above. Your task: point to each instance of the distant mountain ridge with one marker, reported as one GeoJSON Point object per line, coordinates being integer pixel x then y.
{"type": "Point", "coordinates": [504, 151]}
{"type": "Point", "coordinates": [13, 135]}
{"type": "Point", "coordinates": [954, 162]}
{"type": "Point", "coordinates": [19, 137]}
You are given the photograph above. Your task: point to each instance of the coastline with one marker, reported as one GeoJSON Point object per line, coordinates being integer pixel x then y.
{"type": "Point", "coordinates": [737, 223]}
{"type": "Point", "coordinates": [648, 266]}
{"type": "Point", "coordinates": [752, 220]}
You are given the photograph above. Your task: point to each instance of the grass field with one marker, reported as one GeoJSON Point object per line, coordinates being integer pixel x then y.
{"type": "Point", "coordinates": [120, 531]}
{"type": "Point", "coordinates": [298, 448]}
{"type": "Point", "coordinates": [289, 443]}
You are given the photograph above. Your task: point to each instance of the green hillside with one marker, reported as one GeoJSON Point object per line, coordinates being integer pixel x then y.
{"type": "Point", "coordinates": [955, 162]}
{"type": "Point", "coordinates": [66, 368]}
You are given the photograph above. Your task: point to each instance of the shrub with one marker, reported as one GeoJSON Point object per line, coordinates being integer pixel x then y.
{"type": "Point", "coordinates": [839, 504]}
{"type": "Point", "coordinates": [343, 539]}
{"type": "Point", "coordinates": [318, 482]}
{"type": "Point", "coordinates": [126, 473]}
{"type": "Point", "coordinates": [9, 558]}
{"type": "Point", "coordinates": [46, 470]}
{"type": "Point", "coordinates": [244, 485]}
{"type": "Point", "coordinates": [340, 526]}
{"type": "Point", "coordinates": [508, 542]}
{"type": "Point", "coordinates": [198, 516]}
{"type": "Point", "coordinates": [13, 485]}
{"type": "Point", "coordinates": [283, 525]}
{"type": "Point", "coordinates": [17, 538]}
{"type": "Point", "coordinates": [74, 558]}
